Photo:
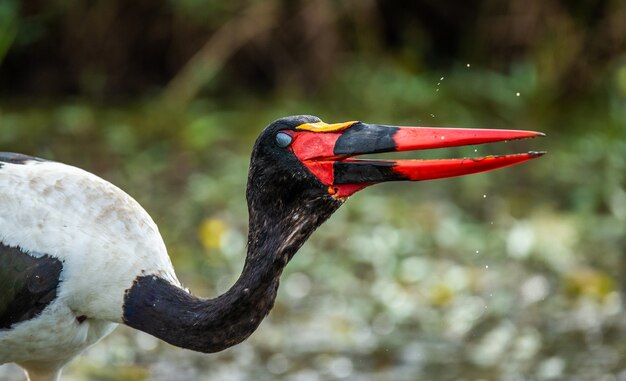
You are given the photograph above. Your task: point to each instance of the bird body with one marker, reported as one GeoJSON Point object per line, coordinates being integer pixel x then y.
{"type": "Point", "coordinates": [100, 237]}
{"type": "Point", "coordinates": [79, 256]}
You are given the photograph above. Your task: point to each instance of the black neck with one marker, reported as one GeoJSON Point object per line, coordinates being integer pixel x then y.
{"type": "Point", "coordinates": [209, 325]}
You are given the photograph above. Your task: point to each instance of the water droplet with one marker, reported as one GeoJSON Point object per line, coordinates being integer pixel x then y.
{"type": "Point", "coordinates": [432, 115]}
{"type": "Point", "coordinates": [475, 149]}
{"type": "Point", "coordinates": [477, 251]}
{"type": "Point", "coordinates": [517, 94]}
{"type": "Point", "coordinates": [484, 196]}
{"type": "Point", "coordinates": [441, 79]}
{"type": "Point", "coordinates": [468, 65]}
{"type": "Point", "coordinates": [486, 266]}
{"type": "Point", "coordinates": [437, 90]}
{"type": "Point", "coordinates": [443, 138]}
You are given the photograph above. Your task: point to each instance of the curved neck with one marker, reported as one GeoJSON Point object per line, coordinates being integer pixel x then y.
{"type": "Point", "coordinates": [159, 308]}
{"type": "Point", "coordinates": [172, 314]}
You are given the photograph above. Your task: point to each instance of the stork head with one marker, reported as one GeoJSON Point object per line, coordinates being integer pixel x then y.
{"type": "Point", "coordinates": [300, 160]}
{"type": "Point", "coordinates": [303, 149]}
{"type": "Point", "coordinates": [302, 169]}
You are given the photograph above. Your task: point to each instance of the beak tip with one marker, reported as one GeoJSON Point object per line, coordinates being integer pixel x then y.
{"type": "Point", "coordinates": [535, 154]}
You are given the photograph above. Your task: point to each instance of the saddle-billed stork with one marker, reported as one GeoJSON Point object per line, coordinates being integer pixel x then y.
{"type": "Point", "coordinates": [79, 256]}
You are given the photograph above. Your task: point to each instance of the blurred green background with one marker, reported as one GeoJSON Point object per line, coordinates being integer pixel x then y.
{"type": "Point", "coordinates": [517, 274]}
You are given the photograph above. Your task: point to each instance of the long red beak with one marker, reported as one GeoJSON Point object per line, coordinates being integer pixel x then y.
{"type": "Point", "coordinates": [328, 153]}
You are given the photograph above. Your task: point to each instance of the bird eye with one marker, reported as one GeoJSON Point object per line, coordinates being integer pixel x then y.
{"type": "Point", "coordinates": [283, 139]}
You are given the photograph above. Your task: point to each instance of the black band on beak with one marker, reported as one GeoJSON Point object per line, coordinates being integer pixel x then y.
{"type": "Point", "coordinates": [362, 171]}
{"type": "Point", "coordinates": [362, 138]}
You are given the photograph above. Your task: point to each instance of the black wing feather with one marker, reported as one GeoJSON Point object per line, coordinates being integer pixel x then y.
{"type": "Point", "coordinates": [16, 158]}
{"type": "Point", "coordinates": [27, 284]}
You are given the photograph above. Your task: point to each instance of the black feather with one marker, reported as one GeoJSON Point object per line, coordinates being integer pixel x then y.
{"type": "Point", "coordinates": [16, 158]}
{"type": "Point", "coordinates": [28, 284]}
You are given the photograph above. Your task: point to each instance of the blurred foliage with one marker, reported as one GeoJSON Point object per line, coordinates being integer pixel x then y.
{"type": "Point", "coordinates": [512, 275]}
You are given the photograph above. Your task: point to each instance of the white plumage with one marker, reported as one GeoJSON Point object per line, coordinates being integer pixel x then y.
{"type": "Point", "coordinates": [104, 239]}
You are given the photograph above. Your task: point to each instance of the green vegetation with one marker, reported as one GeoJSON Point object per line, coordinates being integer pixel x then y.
{"type": "Point", "coordinates": [512, 275]}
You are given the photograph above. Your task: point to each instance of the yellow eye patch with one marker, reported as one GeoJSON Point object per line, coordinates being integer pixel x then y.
{"type": "Point", "coordinates": [325, 127]}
